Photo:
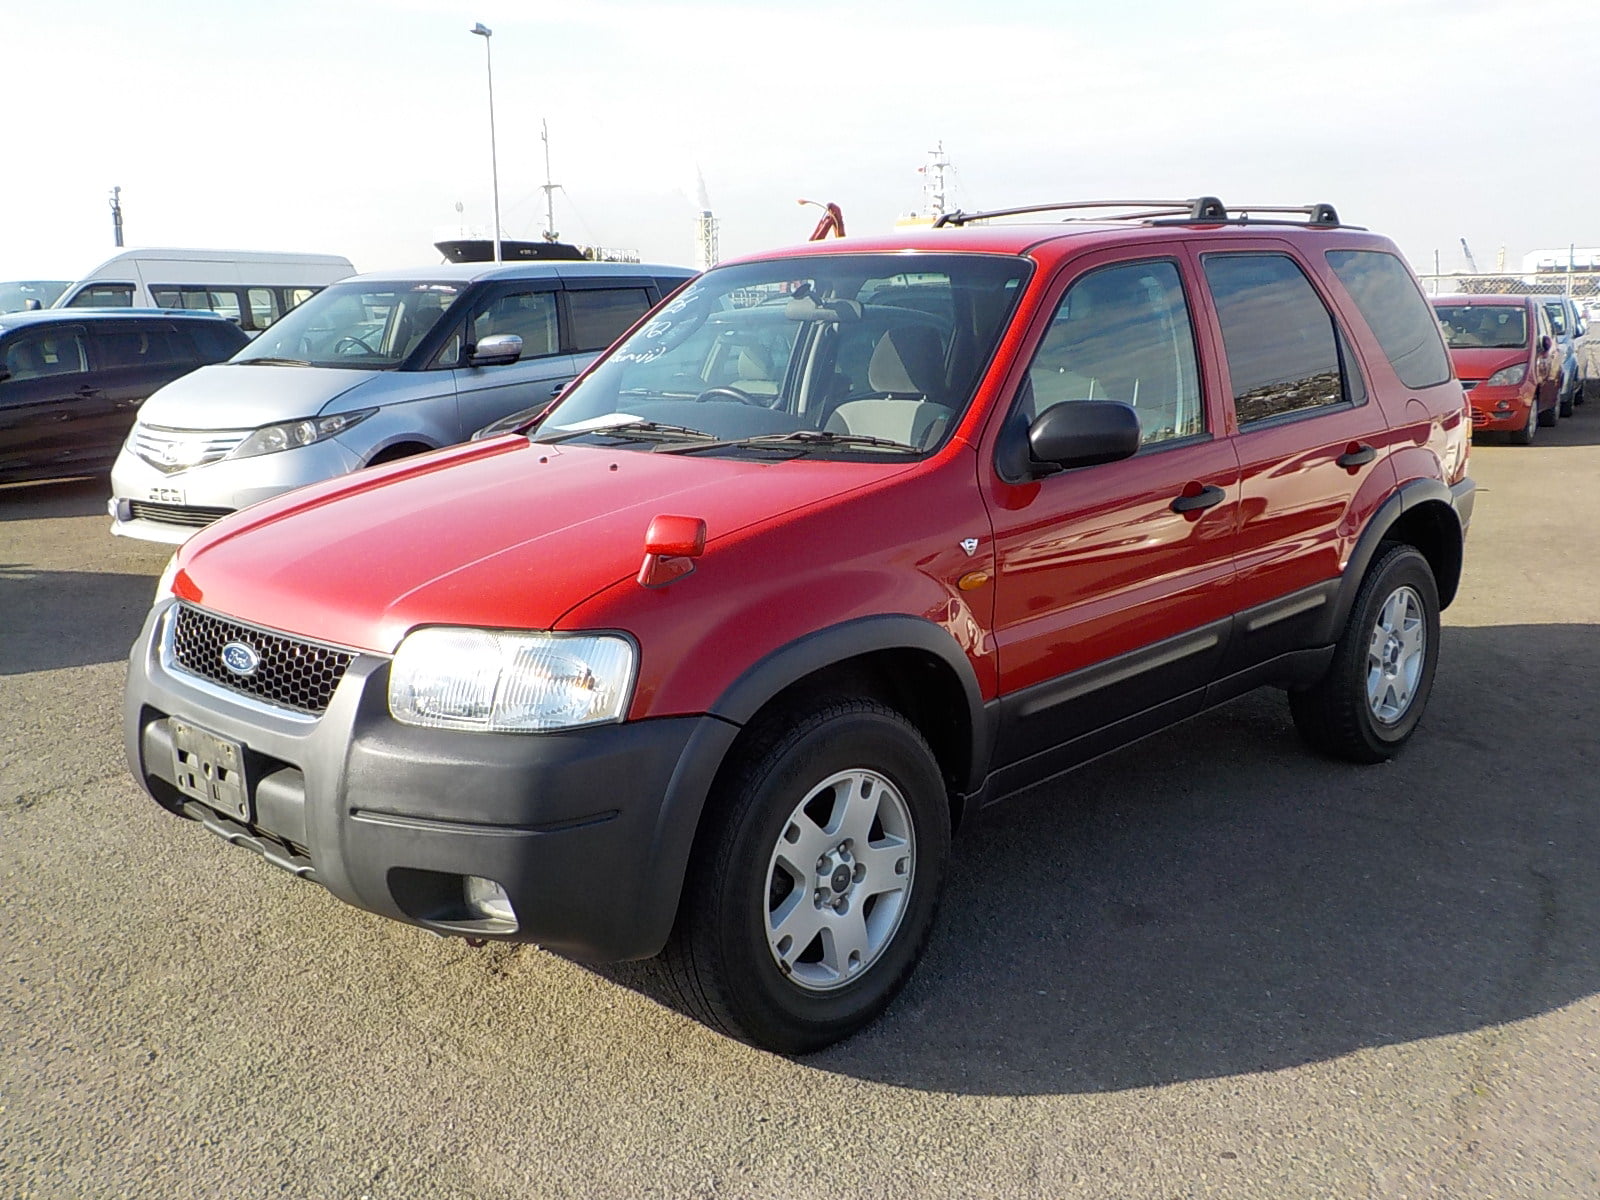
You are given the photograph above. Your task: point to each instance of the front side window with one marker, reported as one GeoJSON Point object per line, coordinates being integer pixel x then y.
{"type": "Point", "coordinates": [813, 354]}
{"type": "Point", "coordinates": [1483, 326]}
{"type": "Point", "coordinates": [1283, 351]}
{"type": "Point", "coordinates": [1399, 317]}
{"type": "Point", "coordinates": [1122, 333]}
{"type": "Point", "coordinates": [371, 326]}
{"type": "Point", "coordinates": [599, 316]}
{"type": "Point", "coordinates": [39, 355]}
{"type": "Point", "coordinates": [104, 295]}
{"type": "Point", "coordinates": [531, 315]}
{"type": "Point", "coordinates": [1558, 319]}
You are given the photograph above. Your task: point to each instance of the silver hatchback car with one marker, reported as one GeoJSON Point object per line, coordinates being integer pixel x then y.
{"type": "Point", "coordinates": [371, 369]}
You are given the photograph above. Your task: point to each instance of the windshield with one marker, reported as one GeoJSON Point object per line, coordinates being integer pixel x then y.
{"type": "Point", "coordinates": [14, 295]}
{"type": "Point", "coordinates": [1491, 326]}
{"type": "Point", "coordinates": [370, 326]}
{"type": "Point", "coordinates": [855, 355]}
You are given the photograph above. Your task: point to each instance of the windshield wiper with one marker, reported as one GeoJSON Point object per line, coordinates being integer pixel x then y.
{"type": "Point", "coordinates": [629, 432]}
{"type": "Point", "coordinates": [277, 362]}
{"type": "Point", "coordinates": [801, 441]}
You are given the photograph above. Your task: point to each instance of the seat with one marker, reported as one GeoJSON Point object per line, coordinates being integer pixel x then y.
{"type": "Point", "coordinates": [905, 382]}
{"type": "Point", "coordinates": [910, 422]}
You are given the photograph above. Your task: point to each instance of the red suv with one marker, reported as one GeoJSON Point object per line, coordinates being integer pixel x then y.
{"type": "Point", "coordinates": [836, 547]}
{"type": "Point", "coordinates": [1506, 359]}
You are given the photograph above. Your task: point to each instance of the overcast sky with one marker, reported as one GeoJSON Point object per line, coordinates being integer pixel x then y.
{"type": "Point", "coordinates": [355, 127]}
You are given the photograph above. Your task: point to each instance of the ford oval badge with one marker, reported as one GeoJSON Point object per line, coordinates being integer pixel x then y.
{"type": "Point", "coordinates": [241, 659]}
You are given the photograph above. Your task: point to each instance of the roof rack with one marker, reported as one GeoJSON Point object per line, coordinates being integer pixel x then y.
{"type": "Point", "coordinates": [1201, 209]}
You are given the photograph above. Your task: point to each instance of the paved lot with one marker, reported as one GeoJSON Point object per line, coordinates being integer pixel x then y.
{"type": "Point", "coordinates": [1209, 965]}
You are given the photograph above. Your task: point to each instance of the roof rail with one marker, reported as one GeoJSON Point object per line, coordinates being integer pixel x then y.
{"type": "Point", "coordinates": [1200, 209]}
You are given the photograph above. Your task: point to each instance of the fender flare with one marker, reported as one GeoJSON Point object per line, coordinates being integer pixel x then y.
{"type": "Point", "coordinates": [1407, 497]}
{"type": "Point", "coordinates": [791, 663]}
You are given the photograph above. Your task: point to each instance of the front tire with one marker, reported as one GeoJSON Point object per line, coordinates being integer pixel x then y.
{"type": "Point", "coordinates": [814, 883]}
{"type": "Point", "coordinates": [1549, 416]}
{"type": "Point", "coordinates": [1369, 703]}
{"type": "Point", "coordinates": [1524, 436]}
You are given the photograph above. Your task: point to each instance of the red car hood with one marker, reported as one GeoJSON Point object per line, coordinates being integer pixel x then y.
{"type": "Point", "coordinates": [499, 534]}
{"type": "Point", "coordinates": [1480, 363]}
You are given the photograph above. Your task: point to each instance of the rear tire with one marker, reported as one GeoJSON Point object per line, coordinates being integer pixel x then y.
{"type": "Point", "coordinates": [815, 878]}
{"type": "Point", "coordinates": [1368, 703]}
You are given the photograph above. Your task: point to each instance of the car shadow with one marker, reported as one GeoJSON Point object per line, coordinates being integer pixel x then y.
{"type": "Point", "coordinates": [1217, 900]}
{"type": "Point", "coordinates": [55, 619]}
{"type": "Point", "coordinates": [78, 497]}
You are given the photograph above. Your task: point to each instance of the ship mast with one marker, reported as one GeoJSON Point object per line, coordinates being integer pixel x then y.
{"type": "Point", "coordinates": [548, 187]}
{"type": "Point", "coordinates": [933, 184]}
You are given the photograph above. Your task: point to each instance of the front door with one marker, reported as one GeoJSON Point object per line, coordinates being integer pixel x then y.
{"type": "Point", "coordinates": [528, 309]}
{"type": "Point", "coordinates": [49, 402]}
{"type": "Point", "coordinates": [1113, 582]}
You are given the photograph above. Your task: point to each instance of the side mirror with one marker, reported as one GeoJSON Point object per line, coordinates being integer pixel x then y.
{"type": "Point", "coordinates": [495, 351]}
{"type": "Point", "coordinates": [31, 304]}
{"type": "Point", "coordinates": [1074, 433]}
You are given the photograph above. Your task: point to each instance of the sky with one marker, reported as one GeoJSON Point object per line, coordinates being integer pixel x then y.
{"type": "Point", "coordinates": [357, 127]}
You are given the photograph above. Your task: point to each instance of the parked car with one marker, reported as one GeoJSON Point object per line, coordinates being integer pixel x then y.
{"type": "Point", "coordinates": [1507, 360]}
{"type": "Point", "coordinates": [1568, 327]}
{"type": "Point", "coordinates": [24, 295]}
{"type": "Point", "coordinates": [251, 288]}
{"type": "Point", "coordinates": [373, 369]}
{"type": "Point", "coordinates": [71, 383]}
{"type": "Point", "coordinates": [713, 668]}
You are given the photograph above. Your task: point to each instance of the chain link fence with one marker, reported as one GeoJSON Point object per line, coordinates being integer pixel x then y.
{"type": "Point", "coordinates": [1582, 286]}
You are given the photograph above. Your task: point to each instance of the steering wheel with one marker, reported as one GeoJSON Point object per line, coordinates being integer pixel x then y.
{"type": "Point", "coordinates": [342, 346]}
{"type": "Point", "coordinates": [729, 393]}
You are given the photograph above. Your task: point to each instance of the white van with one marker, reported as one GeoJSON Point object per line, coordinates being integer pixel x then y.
{"type": "Point", "coordinates": [252, 288]}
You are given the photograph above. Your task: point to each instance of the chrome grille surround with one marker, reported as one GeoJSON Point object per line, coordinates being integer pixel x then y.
{"type": "Point", "coordinates": [172, 450]}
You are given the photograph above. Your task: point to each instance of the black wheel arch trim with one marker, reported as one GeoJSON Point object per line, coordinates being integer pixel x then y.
{"type": "Point", "coordinates": [1410, 495]}
{"type": "Point", "coordinates": [816, 651]}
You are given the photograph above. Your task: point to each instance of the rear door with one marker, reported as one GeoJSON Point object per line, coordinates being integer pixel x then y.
{"type": "Point", "coordinates": [530, 309]}
{"type": "Point", "coordinates": [48, 400]}
{"type": "Point", "coordinates": [1313, 448]}
{"type": "Point", "coordinates": [131, 360]}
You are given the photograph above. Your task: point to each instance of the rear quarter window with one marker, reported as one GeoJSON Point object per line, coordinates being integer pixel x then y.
{"type": "Point", "coordinates": [1397, 313]}
{"type": "Point", "coordinates": [599, 316]}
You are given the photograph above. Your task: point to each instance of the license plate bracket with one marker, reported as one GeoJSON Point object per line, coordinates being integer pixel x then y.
{"type": "Point", "coordinates": [211, 769]}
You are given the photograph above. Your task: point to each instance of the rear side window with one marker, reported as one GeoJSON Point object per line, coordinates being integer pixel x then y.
{"type": "Point", "coordinates": [39, 355]}
{"type": "Point", "coordinates": [104, 295]}
{"type": "Point", "coordinates": [263, 307]}
{"type": "Point", "coordinates": [141, 348]}
{"type": "Point", "coordinates": [1388, 298]}
{"type": "Point", "coordinates": [214, 340]}
{"type": "Point", "coordinates": [599, 316]}
{"type": "Point", "coordinates": [1122, 333]}
{"type": "Point", "coordinates": [1284, 354]}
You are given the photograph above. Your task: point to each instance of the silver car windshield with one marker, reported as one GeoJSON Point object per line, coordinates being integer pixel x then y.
{"type": "Point", "coordinates": [831, 354]}
{"type": "Point", "coordinates": [370, 326]}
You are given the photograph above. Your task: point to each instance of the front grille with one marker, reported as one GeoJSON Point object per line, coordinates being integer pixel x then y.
{"type": "Point", "coordinates": [1479, 417]}
{"type": "Point", "coordinates": [173, 450]}
{"type": "Point", "coordinates": [292, 673]}
{"type": "Point", "coordinates": [176, 514]}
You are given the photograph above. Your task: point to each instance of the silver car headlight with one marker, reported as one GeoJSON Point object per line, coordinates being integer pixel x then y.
{"type": "Point", "coordinates": [289, 435]}
{"type": "Point", "coordinates": [477, 679]}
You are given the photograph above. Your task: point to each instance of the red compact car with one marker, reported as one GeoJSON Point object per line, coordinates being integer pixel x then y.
{"type": "Point", "coordinates": [837, 546]}
{"type": "Point", "coordinates": [1506, 359]}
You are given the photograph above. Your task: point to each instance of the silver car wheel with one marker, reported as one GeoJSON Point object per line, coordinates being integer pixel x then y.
{"type": "Point", "coordinates": [1396, 653]}
{"type": "Point", "coordinates": [839, 879]}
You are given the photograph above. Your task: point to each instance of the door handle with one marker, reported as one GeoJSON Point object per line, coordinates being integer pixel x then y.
{"type": "Point", "coordinates": [1192, 501]}
{"type": "Point", "coordinates": [1357, 454]}
{"type": "Point", "coordinates": [559, 388]}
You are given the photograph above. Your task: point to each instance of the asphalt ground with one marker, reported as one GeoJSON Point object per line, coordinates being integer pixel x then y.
{"type": "Point", "coordinates": [1209, 965]}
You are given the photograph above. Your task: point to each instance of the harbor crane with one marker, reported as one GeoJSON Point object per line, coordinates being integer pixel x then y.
{"type": "Point", "coordinates": [1472, 263]}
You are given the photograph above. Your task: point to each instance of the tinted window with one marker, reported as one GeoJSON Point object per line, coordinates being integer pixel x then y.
{"type": "Point", "coordinates": [1387, 296]}
{"type": "Point", "coordinates": [530, 315]}
{"type": "Point", "coordinates": [104, 295]}
{"type": "Point", "coordinates": [601, 315]}
{"type": "Point", "coordinates": [38, 355]}
{"type": "Point", "coordinates": [1283, 355]}
{"type": "Point", "coordinates": [141, 348]}
{"type": "Point", "coordinates": [1492, 326]}
{"type": "Point", "coordinates": [215, 340]}
{"type": "Point", "coordinates": [1122, 333]}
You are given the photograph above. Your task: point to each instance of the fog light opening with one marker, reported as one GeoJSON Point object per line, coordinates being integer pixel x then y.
{"type": "Point", "coordinates": [487, 900]}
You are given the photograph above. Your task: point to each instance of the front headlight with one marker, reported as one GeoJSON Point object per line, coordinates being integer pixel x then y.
{"type": "Point", "coordinates": [270, 439]}
{"type": "Point", "coordinates": [444, 678]}
{"type": "Point", "coordinates": [1507, 376]}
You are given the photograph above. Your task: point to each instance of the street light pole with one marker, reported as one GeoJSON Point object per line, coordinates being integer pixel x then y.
{"type": "Point", "coordinates": [486, 33]}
